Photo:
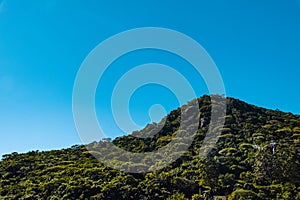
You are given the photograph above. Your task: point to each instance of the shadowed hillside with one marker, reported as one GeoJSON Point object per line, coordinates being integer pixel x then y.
{"type": "Point", "coordinates": [256, 157]}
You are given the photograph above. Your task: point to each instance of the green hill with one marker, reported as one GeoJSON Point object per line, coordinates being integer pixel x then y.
{"type": "Point", "coordinates": [241, 165]}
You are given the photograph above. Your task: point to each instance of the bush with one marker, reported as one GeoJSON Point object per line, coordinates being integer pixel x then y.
{"type": "Point", "coordinates": [242, 194]}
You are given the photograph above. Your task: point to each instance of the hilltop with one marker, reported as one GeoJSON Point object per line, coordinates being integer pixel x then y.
{"type": "Point", "coordinates": [242, 165]}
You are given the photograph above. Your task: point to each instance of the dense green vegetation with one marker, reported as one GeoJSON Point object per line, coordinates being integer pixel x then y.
{"type": "Point", "coordinates": [235, 167]}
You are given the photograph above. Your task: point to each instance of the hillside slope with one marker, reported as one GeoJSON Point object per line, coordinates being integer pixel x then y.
{"type": "Point", "coordinates": [242, 165]}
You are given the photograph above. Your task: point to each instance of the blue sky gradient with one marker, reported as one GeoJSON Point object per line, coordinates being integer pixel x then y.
{"type": "Point", "coordinates": [255, 44]}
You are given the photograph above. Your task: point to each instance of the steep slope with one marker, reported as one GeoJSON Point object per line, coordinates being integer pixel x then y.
{"type": "Point", "coordinates": [242, 165]}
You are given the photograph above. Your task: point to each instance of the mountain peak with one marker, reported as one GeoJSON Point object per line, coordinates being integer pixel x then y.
{"type": "Point", "coordinates": [256, 156]}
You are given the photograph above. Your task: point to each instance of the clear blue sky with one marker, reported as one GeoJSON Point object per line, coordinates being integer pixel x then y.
{"type": "Point", "coordinates": [255, 44]}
